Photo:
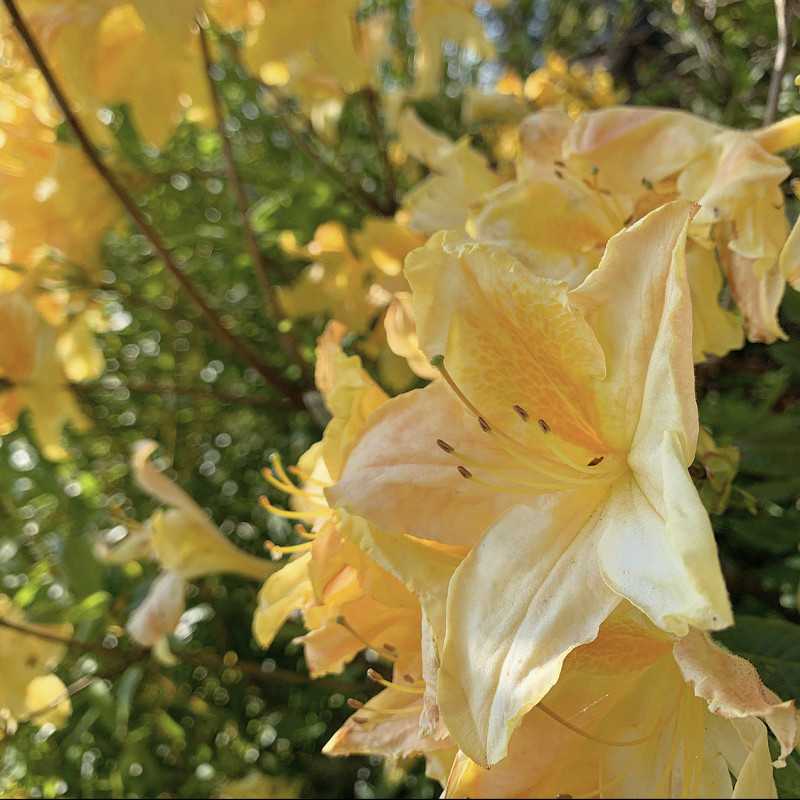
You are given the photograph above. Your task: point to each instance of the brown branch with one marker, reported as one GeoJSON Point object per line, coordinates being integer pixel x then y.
{"type": "Point", "coordinates": [783, 15]}
{"type": "Point", "coordinates": [307, 142]}
{"type": "Point", "coordinates": [46, 636]}
{"type": "Point", "coordinates": [272, 302]}
{"type": "Point", "coordinates": [269, 375]}
{"type": "Point", "coordinates": [379, 131]}
{"type": "Point", "coordinates": [250, 668]}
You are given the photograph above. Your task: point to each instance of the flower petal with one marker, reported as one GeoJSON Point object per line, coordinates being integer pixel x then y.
{"type": "Point", "coordinates": [639, 305]}
{"type": "Point", "coordinates": [661, 553]}
{"type": "Point", "coordinates": [623, 146]}
{"type": "Point", "coordinates": [400, 480]}
{"type": "Point", "coordinates": [519, 603]}
{"type": "Point", "coordinates": [733, 690]}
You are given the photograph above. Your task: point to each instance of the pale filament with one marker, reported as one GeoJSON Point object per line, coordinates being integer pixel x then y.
{"type": "Point", "coordinates": [386, 651]}
{"type": "Point", "coordinates": [519, 452]}
{"type": "Point", "coordinates": [417, 687]}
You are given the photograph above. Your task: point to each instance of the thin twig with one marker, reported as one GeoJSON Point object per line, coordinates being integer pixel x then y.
{"type": "Point", "coordinates": [307, 141]}
{"type": "Point", "coordinates": [38, 633]}
{"type": "Point", "coordinates": [272, 302]}
{"type": "Point", "coordinates": [199, 658]}
{"type": "Point", "coordinates": [272, 377]}
{"type": "Point", "coordinates": [782, 16]}
{"type": "Point", "coordinates": [379, 132]}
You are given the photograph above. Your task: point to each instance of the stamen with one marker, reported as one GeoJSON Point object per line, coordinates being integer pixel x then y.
{"type": "Point", "coordinates": [523, 414]}
{"type": "Point", "coordinates": [595, 461]}
{"type": "Point", "coordinates": [390, 647]}
{"type": "Point", "coordinates": [520, 451]}
{"type": "Point", "coordinates": [287, 488]}
{"type": "Point", "coordinates": [288, 549]}
{"type": "Point", "coordinates": [484, 424]}
{"type": "Point", "coordinates": [586, 735]}
{"type": "Point", "coordinates": [389, 655]}
{"type": "Point", "coordinates": [465, 473]}
{"type": "Point", "coordinates": [281, 512]}
{"type": "Point", "coordinates": [307, 477]}
{"type": "Point", "coordinates": [448, 448]}
{"type": "Point", "coordinates": [376, 677]}
{"type": "Point", "coordinates": [353, 703]}
{"type": "Point", "coordinates": [304, 533]}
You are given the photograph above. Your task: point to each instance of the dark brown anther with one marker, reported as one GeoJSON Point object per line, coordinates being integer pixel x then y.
{"type": "Point", "coordinates": [448, 448]}
{"type": "Point", "coordinates": [389, 648]}
{"type": "Point", "coordinates": [360, 720]}
{"type": "Point", "coordinates": [559, 174]}
{"type": "Point", "coordinates": [647, 184]}
{"type": "Point", "coordinates": [484, 424]}
{"type": "Point", "coordinates": [544, 426]}
{"type": "Point", "coordinates": [595, 461]}
{"type": "Point", "coordinates": [408, 678]}
{"type": "Point", "coordinates": [560, 164]}
{"type": "Point", "coordinates": [628, 221]}
{"type": "Point", "coordinates": [465, 473]}
{"type": "Point", "coordinates": [353, 703]}
{"type": "Point", "coordinates": [522, 413]}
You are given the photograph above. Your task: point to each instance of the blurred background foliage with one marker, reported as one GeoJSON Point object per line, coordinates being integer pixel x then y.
{"type": "Point", "coordinates": [229, 712]}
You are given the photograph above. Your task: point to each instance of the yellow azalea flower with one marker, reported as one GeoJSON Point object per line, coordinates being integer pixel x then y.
{"type": "Point", "coordinates": [97, 49]}
{"type": "Point", "coordinates": [354, 284]}
{"type": "Point", "coordinates": [642, 157]}
{"type": "Point", "coordinates": [574, 88]}
{"type": "Point", "coordinates": [636, 714]}
{"type": "Point", "coordinates": [286, 51]}
{"type": "Point", "coordinates": [29, 689]}
{"type": "Point", "coordinates": [52, 199]}
{"type": "Point", "coordinates": [436, 22]}
{"type": "Point", "coordinates": [29, 363]}
{"type": "Point", "coordinates": [186, 544]}
{"type": "Point", "coordinates": [557, 449]}
{"type": "Point", "coordinates": [349, 600]}
{"type": "Point", "coordinates": [336, 282]}
{"type": "Point", "coordinates": [461, 176]}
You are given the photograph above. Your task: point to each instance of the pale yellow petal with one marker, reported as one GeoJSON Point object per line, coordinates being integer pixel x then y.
{"type": "Point", "coordinates": [715, 330]}
{"type": "Point", "coordinates": [518, 604]}
{"type": "Point", "coordinates": [658, 549]}
{"type": "Point", "coordinates": [639, 306]}
{"type": "Point", "coordinates": [399, 479]}
{"type": "Point", "coordinates": [622, 146]}
{"type": "Point", "coordinates": [284, 592]}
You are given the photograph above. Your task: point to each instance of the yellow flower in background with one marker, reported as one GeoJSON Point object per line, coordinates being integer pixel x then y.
{"type": "Point", "coordinates": [574, 88]}
{"type": "Point", "coordinates": [556, 449]}
{"type": "Point", "coordinates": [460, 177]}
{"type": "Point", "coordinates": [35, 378]}
{"type": "Point", "coordinates": [643, 157]}
{"type": "Point", "coordinates": [52, 199]}
{"type": "Point", "coordinates": [185, 543]}
{"type": "Point", "coordinates": [638, 714]}
{"type": "Point", "coordinates": [352, 280]}
{"type": "Point", "coordinates": [285, 50]}
{"type": "Point", "coordinates": [29, 689]}
{"type": "Point", "coordinates": [436, 22]}
{"type": "Point", "coordinates": [98, 47]}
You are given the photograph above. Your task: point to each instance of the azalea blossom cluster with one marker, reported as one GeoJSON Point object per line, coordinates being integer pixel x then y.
{"type": "Point", "coordinates": [499, 511]}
